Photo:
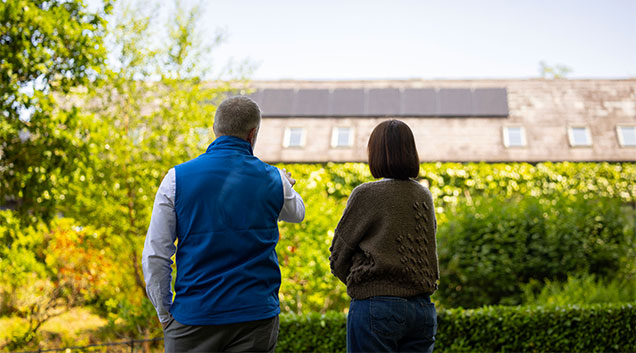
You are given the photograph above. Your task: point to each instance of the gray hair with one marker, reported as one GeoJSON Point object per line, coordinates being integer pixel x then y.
{"type": "Point", "coordinates": [236, 116]}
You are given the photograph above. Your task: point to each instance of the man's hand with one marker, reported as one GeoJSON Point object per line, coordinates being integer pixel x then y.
{"type": "Point", "coordinates": [165, 324]}
{"type": "Point", "coordinates": [287, 174]}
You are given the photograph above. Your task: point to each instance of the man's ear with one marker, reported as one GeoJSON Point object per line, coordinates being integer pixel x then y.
{"type": "Point", "coordinates": [251, 136]}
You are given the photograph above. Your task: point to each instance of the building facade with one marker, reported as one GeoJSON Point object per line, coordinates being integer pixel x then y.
{"type": "Point", "coordinates": [529, 120]}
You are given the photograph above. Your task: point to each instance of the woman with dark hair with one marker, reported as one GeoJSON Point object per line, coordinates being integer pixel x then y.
{"type": "Point", "coordinates": [384, 250]}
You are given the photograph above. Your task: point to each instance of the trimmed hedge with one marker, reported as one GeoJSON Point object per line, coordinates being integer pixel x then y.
{"type": "Point", "coordinates": [589, 328]}
{"type": "Point", "coordinates": [312, 332]}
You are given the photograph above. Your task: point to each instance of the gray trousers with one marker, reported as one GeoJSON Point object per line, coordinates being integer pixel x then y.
{"type": "Point", "coordinates": [252, 336]}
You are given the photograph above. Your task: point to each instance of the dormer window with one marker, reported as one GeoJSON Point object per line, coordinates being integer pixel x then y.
{"type": "Point", "coordinates": [342, 137]}
{"type": "Point", "coordinates": [514, 136]}
{"type": "Point", "coordinates": [294, 137]}
{"type": "Point", "coordinates": [626, 136]}
{"type": "Point", "coordinates": [579, 136]}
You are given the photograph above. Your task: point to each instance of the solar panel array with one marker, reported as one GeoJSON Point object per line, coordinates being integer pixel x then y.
{"type": "Point", "coordinates": [445, 102]}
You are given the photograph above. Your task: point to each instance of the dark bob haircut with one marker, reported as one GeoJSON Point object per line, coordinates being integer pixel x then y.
{"type": "Point", "coordinates": [392, 151]}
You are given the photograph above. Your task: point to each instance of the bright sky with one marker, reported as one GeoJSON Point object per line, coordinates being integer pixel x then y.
{"type": "Point", "coordinates": [400, 39]}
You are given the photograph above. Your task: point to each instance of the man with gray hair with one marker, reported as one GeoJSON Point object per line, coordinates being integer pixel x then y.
{"type": "Point", "coordinates": [222, 208]}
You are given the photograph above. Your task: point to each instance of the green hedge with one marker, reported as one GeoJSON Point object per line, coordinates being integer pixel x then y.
{"type": "Point", "coordinates": [312, 333]}
{"type": "Point", "coordinates": [303, 251]}
{"type": "Point", "coordinates": [590, 328]}
{"type": "Point", "coordinates": [490, 248]}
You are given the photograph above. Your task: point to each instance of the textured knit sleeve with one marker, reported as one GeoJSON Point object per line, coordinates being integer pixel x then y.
{"type": "Point", "coordinates": [348, 234]}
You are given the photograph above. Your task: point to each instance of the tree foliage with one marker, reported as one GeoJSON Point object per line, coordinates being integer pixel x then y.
{"type": "Point", "coordinates": [45, 270]}
{"type": "Point", "coordinates": [46, 49]}
{"type": "Point", "coordinates": [152, 113]}
{"type": "Point", "coordinates": [553, 71]}
{"type": "Point", "coordinates": [108, 147]}
{"type": "Point", "coordinates": [490, 249]}
{"type": "Point", "coordinates": [458, 189]}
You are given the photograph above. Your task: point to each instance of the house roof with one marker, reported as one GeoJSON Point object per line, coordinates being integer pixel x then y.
{"type": "Point", "coordinates": [452, 120]}
{"type": "Point", "coordinates": [378, 102]}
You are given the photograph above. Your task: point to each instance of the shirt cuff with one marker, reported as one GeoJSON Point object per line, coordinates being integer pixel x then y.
{"type": "Point", "coordinates": [164, 317]}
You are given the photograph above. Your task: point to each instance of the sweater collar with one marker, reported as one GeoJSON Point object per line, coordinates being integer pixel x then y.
{"type": "Point", "coordinates": [230, 143]}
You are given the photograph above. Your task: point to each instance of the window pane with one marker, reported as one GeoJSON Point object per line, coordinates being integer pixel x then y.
{"type": "Point", "coordinates": [629, 135]}
{"type": "Point", "coordinates": [343, 137]}
{"type": "Point", "coordinates": [295, 137]}
{"type": "Point", "coordinates": [202, 134]}
{"type": "Point", "coordinates": [579, 136]}
{"type": "Point", "coordinates": [515, 137]}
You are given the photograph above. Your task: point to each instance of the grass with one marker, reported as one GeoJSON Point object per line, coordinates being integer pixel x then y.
{"type": "Point", "coordinates": [77, 327]}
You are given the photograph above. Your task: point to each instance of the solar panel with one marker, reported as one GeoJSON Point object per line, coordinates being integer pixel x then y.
{"type": "Point", "coordinates": [447, 102]}
{"type": "Point", "coordinates": [312, 102]}
{"type": "Point", "coordinates": [257, 96]}
{"type": "Point", "coordinates": [455, 102]}
{"type": "Point", "coordinates": [383, 101]}
{"type": "Point", "coordinates": [490, 102]}
{"type": "Point", "coordinates": [277, 102]}
{"type": "Point", "coordinates": [348, 102]}
{"type": "Point", "coordinates": [419, 102]}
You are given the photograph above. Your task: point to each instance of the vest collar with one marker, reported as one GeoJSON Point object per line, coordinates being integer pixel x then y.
{"type": "Point", "coordinates": [230, 143]}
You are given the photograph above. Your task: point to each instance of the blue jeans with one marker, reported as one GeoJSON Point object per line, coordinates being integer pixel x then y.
{"type": "Point", "coordinates": [391, 324]}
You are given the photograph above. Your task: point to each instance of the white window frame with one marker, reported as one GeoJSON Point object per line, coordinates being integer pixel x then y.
{"type": "Point", "coordinates": [335, 135]}
{"type": "Point", "coordinates": [287, 137]}
{"type": "Point", "coordinates": [506, 136]}
{"type": "Point", "coordinates": [588, 135]}
{"type": "Point", "coordinates": [619, 129]}
{"type": "Point", "coordinates": [203, 133]}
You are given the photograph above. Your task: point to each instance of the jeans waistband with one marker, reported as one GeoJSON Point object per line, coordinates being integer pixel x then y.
{"type": "Point", "coordinates": [425, 298]}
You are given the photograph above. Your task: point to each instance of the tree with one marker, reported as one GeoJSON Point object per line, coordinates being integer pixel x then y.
{"type": "Point", "coordinates": [95, 146]}
{"type": "Point", "coordinates": [153, 112]}
{"type": "Point", "coordinates": [46, 49]}
{"type": "Point", "coordinates": [45, 271]}
{"type": "Point", "coordinates": [556, 71]}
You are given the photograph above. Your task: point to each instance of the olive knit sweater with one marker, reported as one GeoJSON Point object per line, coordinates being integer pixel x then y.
{"type": "Point", "coordinates": [385, 241]}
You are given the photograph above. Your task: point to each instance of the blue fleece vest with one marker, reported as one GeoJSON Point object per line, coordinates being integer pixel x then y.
{"type": "Point", "coordinates": [227, 204]}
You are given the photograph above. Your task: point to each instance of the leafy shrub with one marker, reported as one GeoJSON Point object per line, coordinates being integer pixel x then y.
{"type": "Point", "coordinates": [129, 316]}
{"type": "Point", "coordinates": [303, 250]}
{"type": "Point", "coordinates": [63, 252]}
{"type": "Point", "coordinates": [488, 249]}
{"type": "Point", "coordinates": [586, 289]}
{"type": "Point", "coordinates": [46, 270]}
{"type": "Point", "coordinates": [586, 328]}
